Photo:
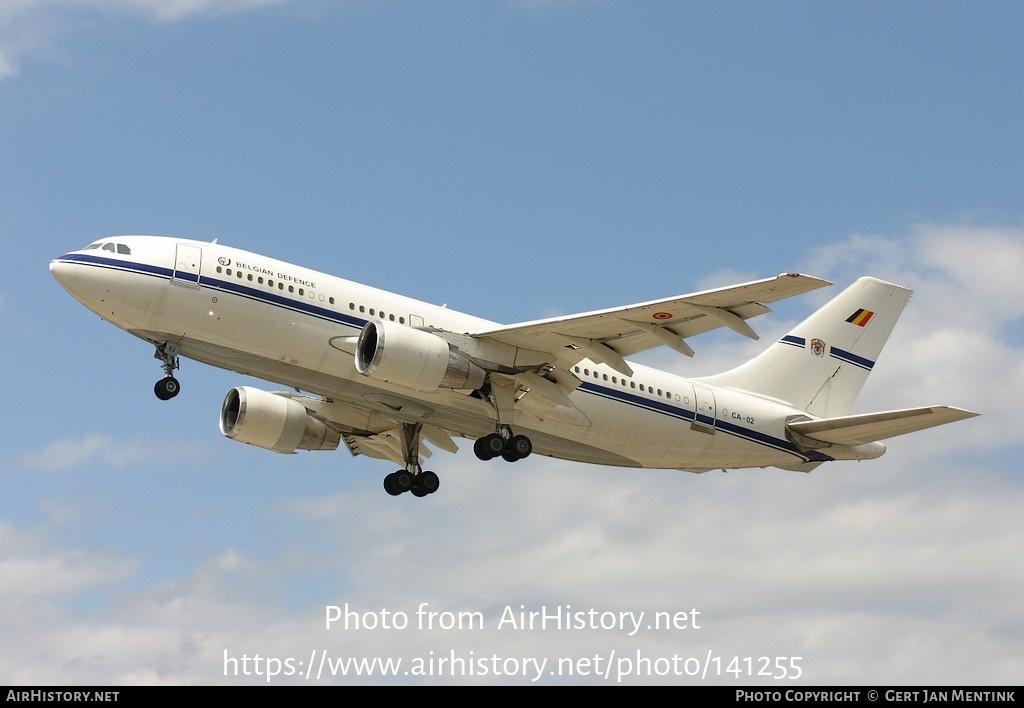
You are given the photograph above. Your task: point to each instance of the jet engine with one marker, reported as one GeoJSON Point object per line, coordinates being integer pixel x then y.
{"type": "Point", "coordinates": [392, 352]}
{"type": "Point", "coordinates": [273, 422]}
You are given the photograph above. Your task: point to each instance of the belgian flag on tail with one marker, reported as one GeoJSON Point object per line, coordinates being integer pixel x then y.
{"type": "Point", "coordinates": [860, 317]}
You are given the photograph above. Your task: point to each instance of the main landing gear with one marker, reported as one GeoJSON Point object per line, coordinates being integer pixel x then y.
{"type": "Point", "coordinates": [167, 387]}
{"type": "Point", "coordinates": [412, 478]}
{"type": "Point", "coordinates": [503, 444]}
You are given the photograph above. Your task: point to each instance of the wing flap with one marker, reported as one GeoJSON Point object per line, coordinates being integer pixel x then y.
{"type": "Point", "coordinates": [869, 427]}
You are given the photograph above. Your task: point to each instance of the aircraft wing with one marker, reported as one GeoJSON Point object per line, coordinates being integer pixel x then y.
{"type": "Point", "coordinates": [608, 335]}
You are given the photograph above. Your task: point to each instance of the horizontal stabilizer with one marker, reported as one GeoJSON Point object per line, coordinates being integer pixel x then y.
{"type": "Point", "coordinates": [862, 429]}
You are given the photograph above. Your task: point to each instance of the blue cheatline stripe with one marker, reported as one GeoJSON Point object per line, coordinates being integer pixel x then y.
{"type": "Point", "coordinates": [795, 341]}
{"type": "Point", "coordinates": [614, 394]}
{"type": "Point", "coordinates": [228, 286]}
{"type": "Point", "coordinates": [282, 301]}
{"type": "Point", "coordinates": [143, 268]}
{"type": "Point", "coordinates": [684, 414]}
{"type": "Point", "coordinates": [851, 358]}
{"type": "Point", "coordinates": [770, 441]}
{"type": "Point", "coordinates": [637, 401]}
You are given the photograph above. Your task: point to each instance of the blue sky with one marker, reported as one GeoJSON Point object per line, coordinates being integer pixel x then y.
{"type": "Point", "coordinates": [514, 160]}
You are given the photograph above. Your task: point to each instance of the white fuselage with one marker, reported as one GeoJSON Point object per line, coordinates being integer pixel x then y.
{"type": "Point", "coordinates": [294, 326]}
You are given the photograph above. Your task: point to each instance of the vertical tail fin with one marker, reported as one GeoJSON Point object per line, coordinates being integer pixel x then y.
{"type": "Point", "coordinates": [822, 364]}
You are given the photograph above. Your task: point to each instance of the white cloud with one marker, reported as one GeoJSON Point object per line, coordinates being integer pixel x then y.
{"type": "Point", "coordinates": [173, 10]}
{"type": "Point", "coordinates": [897, 583]}
{"type": "Point", "coordinates": [69, 453]}
{"type": "Point", "coordinates": [29, 27]}
{"type": "Point", "coordinates": [30, 569]}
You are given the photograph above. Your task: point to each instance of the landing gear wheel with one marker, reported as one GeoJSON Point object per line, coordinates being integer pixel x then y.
{"type": "Point", "coordinates": [398, 482]}
{"type": "Point", "coordinates": [402, 481]}
{"type": "Point", "coordinates": [389, 485]}
{"type": "Point", "coordinates": [412, 478]}
{"type": "Point", "coordinates": [521, 446]}
{"type": "Point", "coordinates": [515, 448]}
{"type": "Point", "coordinates": [489, 446]}
{"type": "Point", "coordinates": [480, 449]}
{"type": "Point", "coordinates": [428, 482]}
{"type": "Point", "coordinates": [167, 388]}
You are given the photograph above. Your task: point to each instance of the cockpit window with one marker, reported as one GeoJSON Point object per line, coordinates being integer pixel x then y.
{"type": "Point", "coordinates": [112, 247]}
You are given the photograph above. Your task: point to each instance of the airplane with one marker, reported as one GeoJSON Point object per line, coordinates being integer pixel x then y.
{"type": "Point", "coordinates": [384, 374]}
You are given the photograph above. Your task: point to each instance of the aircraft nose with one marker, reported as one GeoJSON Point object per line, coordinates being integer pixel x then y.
{"type": "Point", "coordinates": [63, 272]}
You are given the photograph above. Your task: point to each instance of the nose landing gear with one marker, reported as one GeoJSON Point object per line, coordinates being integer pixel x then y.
{"type": "Point", "coordinates": [167, 387]}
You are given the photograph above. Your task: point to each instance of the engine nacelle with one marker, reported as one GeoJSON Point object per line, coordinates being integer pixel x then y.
{"type": "Point", "coordinates": [273, 422]}
{"type": "Point", "coordinates": [392, 352]}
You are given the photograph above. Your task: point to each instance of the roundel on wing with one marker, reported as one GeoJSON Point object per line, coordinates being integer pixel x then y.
{"type": "Point", "coordinates": [662, 316]}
